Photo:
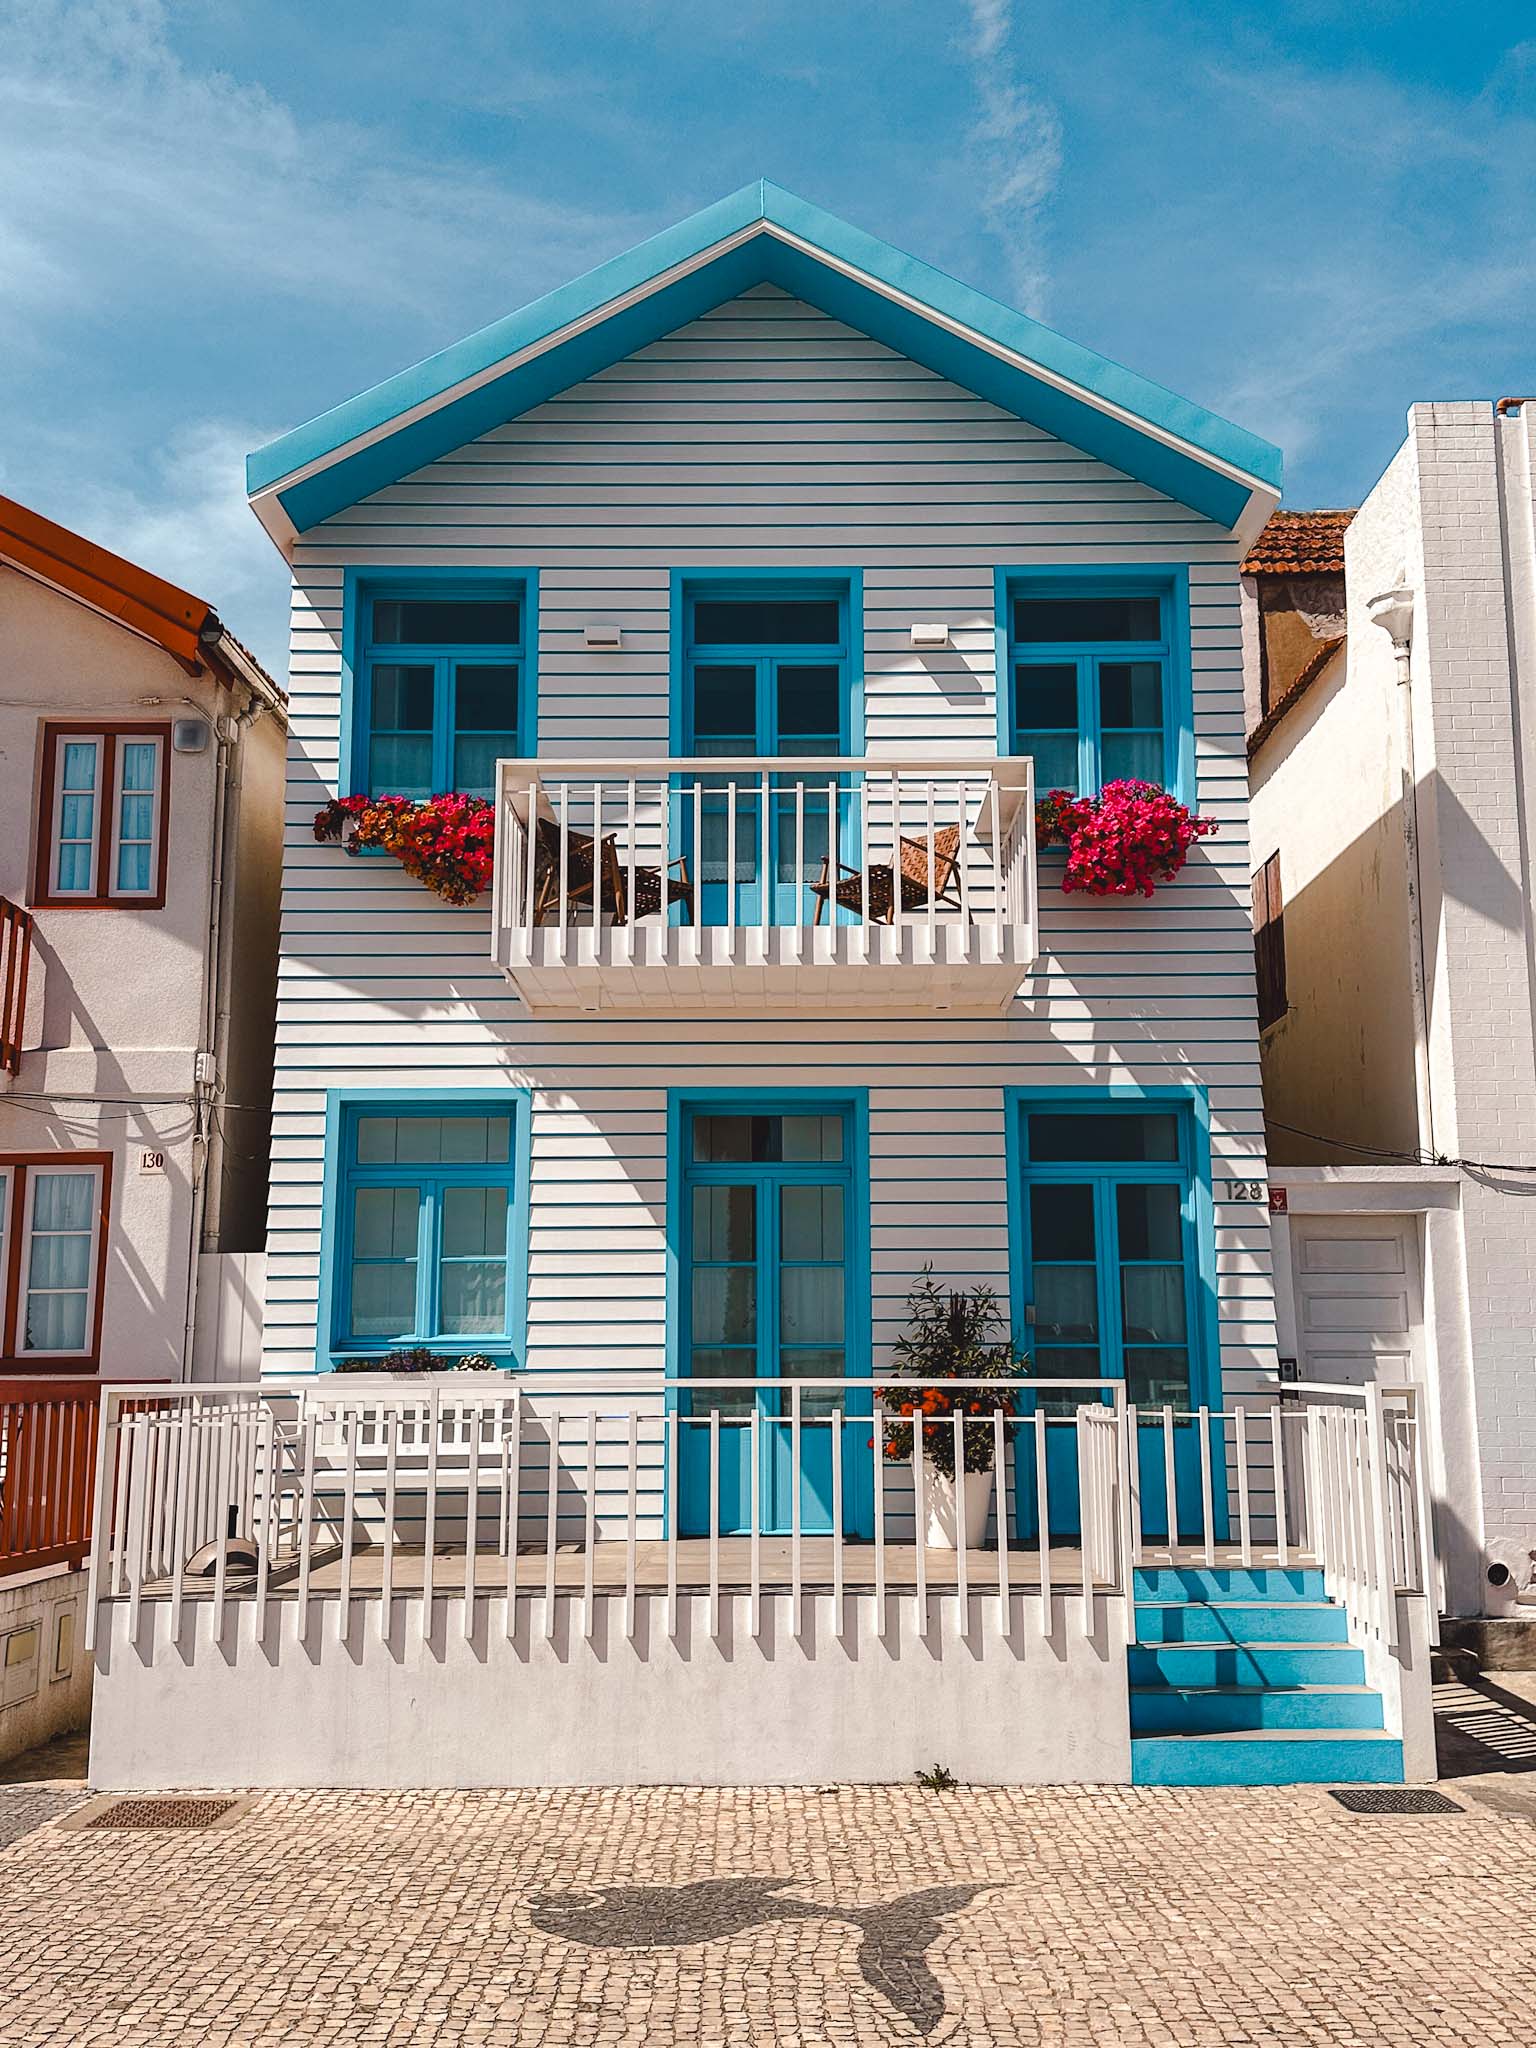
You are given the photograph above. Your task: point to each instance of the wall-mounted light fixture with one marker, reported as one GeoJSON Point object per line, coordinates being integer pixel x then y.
{"type": "Point", "coordinates": [603, 633]}
{"type": "Point", "coordinates": [932, 633]}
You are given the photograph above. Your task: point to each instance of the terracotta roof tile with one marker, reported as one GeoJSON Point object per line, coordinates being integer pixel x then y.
{"type": "Point", "coordinates": [1299, 544]}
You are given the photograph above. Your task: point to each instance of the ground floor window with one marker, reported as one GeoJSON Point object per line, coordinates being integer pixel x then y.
{"type": "Point", "coordinates": [53, 1222]}
{"type": "Point", "coordinates": [1109, 1246]}
{"type": "Point", "coordinates": [430, 1249]}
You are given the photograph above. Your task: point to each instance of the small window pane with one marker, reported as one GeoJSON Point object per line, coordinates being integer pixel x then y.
{"type": "Point", "coordinates": [1151, 1222]}
{"type": "Point", "coordinates": [811, 1305]}
{"type": "Point", "coordinates": [725, 705]}
{"type": "Point", "coordinates": [485, 699]}
{"type": "Point", "coordinates": [470, 1139]}
{"type": "Point", "coordinates": [1152, 1304]}
{"type": "Point", "coordinates": [766, 622]}
{"type": "Point", "coordinates": [1157, 1378]}
{"type": "Point", "coordinates": [1054, 756]}
{"type": "Point", "coordinates": [1132, 757]}
{"type": "Point", "coordinates": [62, 1201]}
{"type": "Point", "coordinates": [376, 1140]}
{"type": "Point", "coordinates": [79, 771]}
{"type": "Point", "coordinates": [1130, 694]}
{"type": "Point", "coordinates": [473, 1298]}
{"type": "Point", "coordinates": [1060, 620]}
{"type": "Point", "coordinates": [812, 1137]}
{"type": "Point", "coordinates": [725, 1304]}
{"type": "Point", "coordinates": [1046, 697]}
{"type": "Point", "coordinates": [400, 767]}
{"type": "Point", "coordinates": [1061, 1222]}
{"type": "Point", "coordinates": [811, 1223]}
{"type": "Point", "coordinates": [712, 1363]}
{"type": "Point", "coordinates": [384, 1223]}
{"type": "Point", "coordinates": [724, 1224]}
{"type": "Point", "coordinates": [137, 762]}
{"type": "Point", "coordinates": [474, 761]}
{"type": "Point", "coordinates": [1066, 1303]}
{"type": "Point", "coordinates": [402, 699]}
{"type": "Point", "coordinates": [419, 1140]}
{"type": "Point", "coordinates": [384, 1300]}
{"type": "Point", "coordinates": [826, 1362]}
{"type": "Point", "coordinates": [810, 702]}
{"type": "Point", "coordinates": [1082, 1134]}
{"type": "Point", "coordinates": [447, 622]}
{"type": "Point", "coordinates": [474, 1223]}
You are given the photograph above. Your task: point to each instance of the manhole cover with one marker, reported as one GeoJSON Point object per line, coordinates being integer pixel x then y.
{"type": "Point", "coordinates": [1388, 1799]}
{"type": "Point", "coordinates": [162, 1813]}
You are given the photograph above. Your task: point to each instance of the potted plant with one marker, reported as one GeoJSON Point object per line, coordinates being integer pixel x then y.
{"type": "Point", "coordinates": [447, 842]}
{"type": "Point", "coordinates": [958, 1334]}
{"type": "Point", "coordinates": [1122, 842]}
{"type": "Point", "coordinates": [418, 1359]}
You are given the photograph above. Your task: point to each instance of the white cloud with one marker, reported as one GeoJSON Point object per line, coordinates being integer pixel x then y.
{"type": "Point", "coordinates": [1014, 148]}
{"type": "Point", "coordinates": [125, 171]}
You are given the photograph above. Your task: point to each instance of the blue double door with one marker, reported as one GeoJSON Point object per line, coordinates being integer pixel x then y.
{"type": "Point", "coordinates": [766, 1231]}
{"type": "Point", "coordinates": [765, 675]}
{"type": "Point", "coordinates": [1110, 1234]}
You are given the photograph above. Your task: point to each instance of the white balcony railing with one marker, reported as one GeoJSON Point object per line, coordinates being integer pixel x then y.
{"type": "Point", "coordinates": [819, 882]}
{"type": "Point", "coordinates": [531, 1489]}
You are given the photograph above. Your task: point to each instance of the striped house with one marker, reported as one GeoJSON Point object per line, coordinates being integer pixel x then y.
{"type": "Point", "coordinates": [758, 580]}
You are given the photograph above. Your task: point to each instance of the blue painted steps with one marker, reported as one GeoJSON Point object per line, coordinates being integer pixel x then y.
{"type": "Point", "coordinates": [1247, 1677]}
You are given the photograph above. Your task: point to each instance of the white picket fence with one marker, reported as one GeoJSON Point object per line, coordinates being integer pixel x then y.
{"type": "Point", "coordinates": [487, 1488]}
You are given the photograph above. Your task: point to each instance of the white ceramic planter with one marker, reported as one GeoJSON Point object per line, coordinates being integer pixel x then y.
{"type": "Point", "coordinates": [939, 1499]}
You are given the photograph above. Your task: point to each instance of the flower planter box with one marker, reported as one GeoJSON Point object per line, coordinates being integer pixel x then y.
{"type": "Point", "coordinates": [952, 1525]}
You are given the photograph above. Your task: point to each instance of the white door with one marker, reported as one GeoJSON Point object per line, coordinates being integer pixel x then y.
{"type": "Point", "coordinates": [1358, 1298]}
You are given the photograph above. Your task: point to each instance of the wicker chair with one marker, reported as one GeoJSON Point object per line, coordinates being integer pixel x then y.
{"type": "Point", "coordinates": [581, 864]}
{"type": "Point", "coordinates": [648, 890]}
{"type": "Point", "coordinates": [917, 868]}
{"type": "Point", "coordinates": [583, 869]}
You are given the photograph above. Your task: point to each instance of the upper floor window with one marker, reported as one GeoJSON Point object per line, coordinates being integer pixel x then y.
{"type": "Point", "coordinates": [1269, 941]}
{"type": "Point", "coordinates": [1091, 682]}
{"type": "Point", "coordinates": [103, 816]}
{"type": "Point", "coordinates": [443, 687]}
{"type": "Point", "coordinates": [766, 669]}
{"type": "Point", "coordinates": [53, 1216]}
{"type": "Point", "coordinates": [427, 1220]}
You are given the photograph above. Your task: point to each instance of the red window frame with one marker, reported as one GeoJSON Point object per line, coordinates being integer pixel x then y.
{"type": "Point", "coordinates": [109, 731]}
{"type": "Point", "coordinates": [18, 1165]}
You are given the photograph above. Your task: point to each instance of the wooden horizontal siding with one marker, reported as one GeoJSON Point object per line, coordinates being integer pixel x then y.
{"type": "Point", "coordinates": [763, 435]}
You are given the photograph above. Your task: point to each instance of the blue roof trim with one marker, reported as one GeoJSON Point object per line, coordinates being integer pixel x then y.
{"type": "Point", "coordinates": [812, 274]}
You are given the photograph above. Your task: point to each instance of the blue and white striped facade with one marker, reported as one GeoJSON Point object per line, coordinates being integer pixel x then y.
{"type": "Point", "coordinates": [763, 433]}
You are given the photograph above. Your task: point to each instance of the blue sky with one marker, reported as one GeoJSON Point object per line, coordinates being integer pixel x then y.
{"type": "Point", "coordinates": [218, 218]}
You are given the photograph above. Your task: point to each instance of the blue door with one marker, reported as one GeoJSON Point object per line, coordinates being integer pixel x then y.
{"type": "Point", "coordinates": [766, 1236]}
{"type": "Point", "coordinates": [1110, 1293]}
{"type": "Point", "coordinates": [764, 674]}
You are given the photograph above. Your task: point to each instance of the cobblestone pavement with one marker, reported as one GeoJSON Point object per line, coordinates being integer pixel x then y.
{"type": "Point", "coordinates": [1229, 1918]}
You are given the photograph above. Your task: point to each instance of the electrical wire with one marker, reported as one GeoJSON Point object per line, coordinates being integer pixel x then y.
{"type": "Point", "coordinates": [1419, 1158]}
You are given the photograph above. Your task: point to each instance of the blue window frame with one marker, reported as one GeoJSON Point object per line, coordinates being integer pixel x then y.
{"type": "Point", "coordinates": [1096, 677]}
{"type": "Point", "coordinates": [769, 1236]}
{"type": "Point", "coordinates": [429, 1224]}
{"type": "Point", "coordinates": [765, 669]}
{"type": "Point", "coordinates": [1113, 1272]}
{"type": "Point", "coordinates": [441, 681]}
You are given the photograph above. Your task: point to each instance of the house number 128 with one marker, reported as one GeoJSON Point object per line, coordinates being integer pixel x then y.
{"type": "Point", "coordinates": [1246, 1190]}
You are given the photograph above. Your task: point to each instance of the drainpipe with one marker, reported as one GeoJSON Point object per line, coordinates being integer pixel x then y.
{"type": "Point", "coordinates": [1393, 612]}
{"type": "Point", "coordinates": [213, 1032]}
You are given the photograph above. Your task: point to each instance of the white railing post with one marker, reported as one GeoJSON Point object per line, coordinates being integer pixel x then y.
{"type": "Point", "coordinates": [1376, 1450]}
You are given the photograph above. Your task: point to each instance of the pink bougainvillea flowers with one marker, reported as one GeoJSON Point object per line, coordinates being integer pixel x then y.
{"type": "Point", "coordinates": [1122, 842]}
{"type": "Point", "coordinates": [447, 842]}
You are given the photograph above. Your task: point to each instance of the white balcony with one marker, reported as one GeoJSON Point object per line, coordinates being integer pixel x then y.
{"type": "Point", "coordinates": [834, 883]}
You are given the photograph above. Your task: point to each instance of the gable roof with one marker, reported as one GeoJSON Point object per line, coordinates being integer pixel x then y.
{"type": "Point", "coordinates": [761, 234]}
{"type": "Point", "coordinates": [187, 627]}
{"type": "Point", "coordinates": [1300, 544]}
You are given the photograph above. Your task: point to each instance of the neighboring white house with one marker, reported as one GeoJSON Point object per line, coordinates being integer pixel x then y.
{"type": "Point", "coordinates": [1392, 713]}
{"type": "Point", "coordinates": [141, 754]}
{"type": "Point", "coordinates": [720, 572]}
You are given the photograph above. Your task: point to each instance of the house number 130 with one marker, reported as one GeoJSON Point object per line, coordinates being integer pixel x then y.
{"type": "Point", "coordinates": [1245, 1190]}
